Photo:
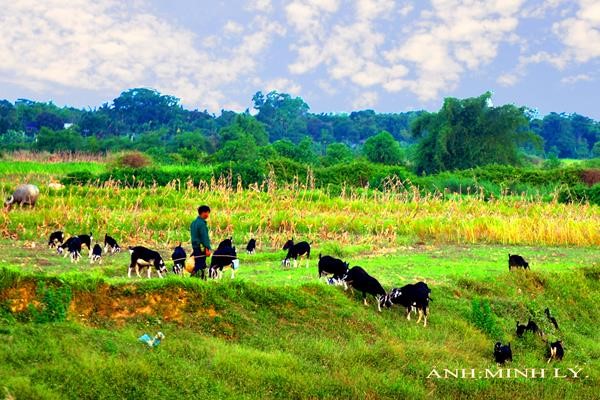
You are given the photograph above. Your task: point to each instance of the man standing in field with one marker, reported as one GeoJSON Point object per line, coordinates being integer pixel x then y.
{"type": "Point", "coordinates": [200, 241]}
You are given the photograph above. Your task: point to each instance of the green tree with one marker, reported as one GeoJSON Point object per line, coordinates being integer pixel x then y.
{"type": "Point", "coordinates": [469, 133]}
{"type": "Point", "coordinates": [8, 116]}
{"type": "Point", "coordinates": [383, 148]}
{"type": "Point", "coordinates": [285, 116]}
{"type": "Point", "coordinates": [337, 153]}
{"type": "Point", "coordinates": [62, 140]}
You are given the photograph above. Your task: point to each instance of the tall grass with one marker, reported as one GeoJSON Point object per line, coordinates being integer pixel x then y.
{"type": "Point", "coordinates": [274, 212]}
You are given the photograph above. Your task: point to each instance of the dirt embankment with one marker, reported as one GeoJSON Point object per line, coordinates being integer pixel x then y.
{"type": "Point", "coordinates": [114, 304]}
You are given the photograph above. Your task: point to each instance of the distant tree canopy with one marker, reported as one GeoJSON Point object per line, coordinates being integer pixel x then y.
{"type": "Point", "coordinates": [464, 133]}
{"type": "Point", "coordinates": [469, 133]}
{"type": "Point", "coordinates": [383, 149]}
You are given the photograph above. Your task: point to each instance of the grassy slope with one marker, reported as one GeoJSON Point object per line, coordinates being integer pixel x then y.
{"type": "Point", "coordinates": [281, 334]}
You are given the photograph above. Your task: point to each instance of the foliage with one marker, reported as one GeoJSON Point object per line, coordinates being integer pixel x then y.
{"type": "Point", "coordinates": [382, 148]}
{"type": "Point", "coordinates": [484, 318]}
{"type": "Point", "coordinates": [54, 303]}
{"type": "Point", "coordinates": [469, 133]}
{"type": "Point", "coordinates": [132, 159]}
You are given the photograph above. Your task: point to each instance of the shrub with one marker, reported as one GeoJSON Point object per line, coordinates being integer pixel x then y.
{"type": "Point", "coordinates": [133, 159]}
{"type": "Point", "coordinates": [54, 304]}
{"type": "Point", "coordinates": [484, 318]}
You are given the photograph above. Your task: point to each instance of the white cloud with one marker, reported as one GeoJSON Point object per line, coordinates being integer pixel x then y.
{"type": "Point", "coordinates": [107, 45]}
{"type": "Point", "coordinates": [365, 100]}
{"type": "Point", "coordinates": [282, 85]}
{"type": "Point", "coordinates": [508, 79]}
{"type": "Point", "coordinates": [452, 38]}
{"type": "Point", "coordinates": [233, 27]}
{"type": "Point", "coordinates": [430, 55]}
{"type": "Point", "coordinates": [572, 79]}
{"type": "Point", "coordinates": [260, 5]}
{"type": "Point", "coordinates": [581, 33]}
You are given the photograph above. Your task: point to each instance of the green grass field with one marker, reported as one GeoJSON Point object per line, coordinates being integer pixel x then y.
{"type": "Point", "coordinates": [70, 330]}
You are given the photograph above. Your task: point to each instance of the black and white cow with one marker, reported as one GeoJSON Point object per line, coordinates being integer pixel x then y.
{"type": "Point", "coordinates": [142, 257]}
{"type": "Point", "coordinates": [224, 256]}
{"type": "Point", "coordinates": [333, 266]}
{"type": "Point", "coordinates": [516, 261]}
{"type": "Point", "coordinates": [502, 353]}
{"type": "Point", "coordinates": [73, 247]}
{"type": "Point", "coordinates": [56, 239]}
{"type": "Point", "coordinates": [86, 240]}
{"type": "Point", "coordinates": [110, 244]}
{"type": "Point", "coordinates": [551, 319]}
{"type": "Point", "coordinates": [360, 280]}
{"type": "Point", "coordinates": [557, 352]}
{"type": "Point", "coordinates": [96, 254]}
{"type": "Point", "coordinates": [179, 256]}
{"type": "Point", "coordinates": [64, 248]}
{"type": "Point", "coordinates": [300, 249]}
{"type": "Point", "coordinates": [251, 246]}
{"type": "Point", "coordinates": [411, 296]}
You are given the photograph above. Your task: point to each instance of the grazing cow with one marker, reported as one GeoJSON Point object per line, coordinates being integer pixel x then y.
{"type": "Point", "coordinates": [360, 280]}
{"type": "Point", "coordinates": [56, 239]}
{"type": "Point", "coordinates": [224, 256]}
{"type": "Point", "coordinates": [299, 249]}
{"type": "Point", "coordinates": [334, 266]}
{"type": "Point", "coordinates": [86, 240]}
{"type": "Point", "coordinates": [557, 351]}
{"type": "Point", "coordinates": [179, 256]}
{"type": "Point", "coordinates": [226, 243]}
{"type": "Point", "coordinates": [532, 327]}
{"type": "Point", "coordinates": [96, 254]}
{"type": "Point", "coordinates": [60, 249]}
{"type": "Point", "coordinates": [502, 353]}
{"type": "Point", "coordinates": [517, 261]}
{"type": "Point", "coordinates": [74, 248]}
{"type": "Point", "coordinates": [521, 329]}
{"type": "Point", "coordinates": [251, 246]}
{"type": "Point", "coordinates": [551, 318]}
{"type": "Point", "coordinates": [23, 195]}
{"type": "Point", "coordinates": [142, 257]}
{"type": "Point", "coordinates": [411, 296]}
{"type": "Point", "coordinates": [110, 244]}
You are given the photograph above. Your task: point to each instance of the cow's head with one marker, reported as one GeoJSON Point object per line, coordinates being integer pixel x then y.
{"type": "Point", "coordinates": [160, 265]}
{"type": "Point", "coordinates": [9, 202]}
{"type": "Point", "coordinates": [288, 244]}
{"type": "Point", "coordinates": [385, 301]}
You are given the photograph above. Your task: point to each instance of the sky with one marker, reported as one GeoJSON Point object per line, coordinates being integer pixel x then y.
{"type": "Point", "coordinates": [338, 55]}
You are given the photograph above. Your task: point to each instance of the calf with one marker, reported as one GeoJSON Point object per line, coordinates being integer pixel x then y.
{"type": "Point", "coordinates": [360, 280]}
{"type": "Point", "coordinates": [74, 248]}
{"type": "Point", "coordinates": [86, 240]}
{"type": "Point", "coordinates": [142, 257]}
{"type": "Point", "coordinates": [557, 351]}
{"type": "Point", "coordinates": [63, 248]}
{"type": "Point", "coordinates": [56, 239]}
{"type": "Point", "coordinates": [517, 261]}
{"type": "Point", "coordinates": [551, 318]}
{"type": "Point", "coordinates": [226, 243]}
{"type": "Point", "coordinates": [224, 256]}
{"type": "Point", "coordinates": [300, 249]}
{"type": "Point", "coordinates": [110, 244]}
{"type": "Point", "coordinates": [521, 329]}
{"type": "Point", "coordinates": [179, 256]}
{"type": "Point", "coordinates": [410, 296]}
{"type": "Point", "coordinates": [502, 353]}
{"type": "Point", "coordinates": [251, 246]}
{"type": "Point", "coordinates": [334, 266]}
{"type": "Point", "coordinates": [532, 327]}
{"type": "Point", "coordinates": [96, 254]}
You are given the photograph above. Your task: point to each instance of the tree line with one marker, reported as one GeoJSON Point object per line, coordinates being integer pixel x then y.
{"type": "Point", "coordinates": [464, 133]}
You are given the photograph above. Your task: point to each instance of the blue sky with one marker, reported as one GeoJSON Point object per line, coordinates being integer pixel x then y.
{"type": "Point", "coordinates": [339, 55]}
